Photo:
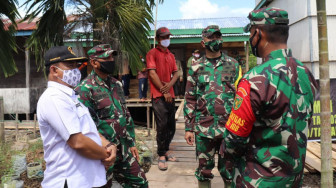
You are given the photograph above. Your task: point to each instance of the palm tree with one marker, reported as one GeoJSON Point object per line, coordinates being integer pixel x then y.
{"type": "Point", "coordinates": [122, 23]}
{"type": "Point", "coordinates": [8, 16]}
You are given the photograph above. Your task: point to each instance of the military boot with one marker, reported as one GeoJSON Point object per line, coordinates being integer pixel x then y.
{"type": "Point", "coordinates": [204, 184]}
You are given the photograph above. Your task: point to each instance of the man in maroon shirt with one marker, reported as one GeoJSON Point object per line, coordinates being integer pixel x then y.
{"type": "Point", "coordinates": [161, 66]}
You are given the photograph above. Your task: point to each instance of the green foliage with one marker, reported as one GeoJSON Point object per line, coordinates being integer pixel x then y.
{"type": "Point", "coordinates": [5, 160]}
{"type": "Point", "coordinates": [252, 59]}
{"type": "Point", "coordinates": [34, 147]}
{"type": "Point", "coordinates": [122, 23]}
{"type": "Point", "coordinates": [7, 38]}
{"type": "Point", "coordinates": [50, 27]}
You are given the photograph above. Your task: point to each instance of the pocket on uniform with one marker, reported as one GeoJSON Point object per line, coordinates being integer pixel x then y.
{"type": "Point", "coordinates": [203, 81]}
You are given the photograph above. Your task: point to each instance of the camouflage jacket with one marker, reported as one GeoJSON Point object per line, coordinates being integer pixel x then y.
{"type": "Point", "coordinates": [209, 95]}
{"type": "Point", "coordinates": [267, 129]}
{"type": "Point", "coordinates": [107, 101]}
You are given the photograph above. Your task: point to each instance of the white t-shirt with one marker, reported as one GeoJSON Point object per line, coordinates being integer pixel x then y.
{"type": "Point", "coordinates": [60, 115]}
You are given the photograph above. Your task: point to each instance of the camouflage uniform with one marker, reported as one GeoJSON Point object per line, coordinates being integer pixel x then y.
{"type": "Point", "coordinates": [267, 129]}
{"type": "Point", "coordinates": [106, 99]}
{"type": "Point", "coordinates": [208, 101]}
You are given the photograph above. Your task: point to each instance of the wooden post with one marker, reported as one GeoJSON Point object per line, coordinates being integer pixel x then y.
{"type": "Point", "coordinates": [153, 122]}
{"type": "Point", "coordinates": [155, 21]}
{"type": "Point", "coordinates": [247, 57]}
{"type": "Point", "coordinates": [326, 157]}
{"type": "Point", "coordinates": [148, 121]}
{"type": "Point", "coordinates": [17, 126]}
{"type": "Point", "coordinates": [2, 123]}
{"type": "Point", "coordinates": [34, 126]}
{"type": "Point", "coordinates": [27, 64]}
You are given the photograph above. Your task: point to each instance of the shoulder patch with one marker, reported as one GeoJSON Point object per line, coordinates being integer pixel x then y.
{"type": "Point", "coordinates": [237, 103]}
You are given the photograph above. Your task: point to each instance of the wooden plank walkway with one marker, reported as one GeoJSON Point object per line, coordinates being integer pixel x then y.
{"type": "Point", "coordinates": [180, 174]}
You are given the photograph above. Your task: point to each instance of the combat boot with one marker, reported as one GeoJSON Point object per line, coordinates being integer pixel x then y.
{"type": "Point", "coordinates": [204, 184]}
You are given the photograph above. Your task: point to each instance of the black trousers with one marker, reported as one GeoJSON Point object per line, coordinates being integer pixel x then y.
{"type": "Point", "coordinates": [165, 120]}
{"type": "Point", "coordinates": [179, 88]}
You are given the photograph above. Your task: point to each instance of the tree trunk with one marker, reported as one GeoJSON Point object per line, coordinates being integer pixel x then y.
{"type": "Point", "coordinates": [326, 165]}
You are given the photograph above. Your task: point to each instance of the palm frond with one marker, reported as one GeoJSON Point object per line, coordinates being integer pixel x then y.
{"type": "Point", "coordinates": [50, 27]}
{"type": "Point", "coordinates": [133, 21]}
{"type": "Point", "coordinates": [7, 36]}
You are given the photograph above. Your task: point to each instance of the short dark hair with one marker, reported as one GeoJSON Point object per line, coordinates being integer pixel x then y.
{"type": "Point", "coordinates": [275, 33]}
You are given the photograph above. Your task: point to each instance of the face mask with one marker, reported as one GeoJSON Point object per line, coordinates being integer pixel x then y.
{"type": "Point", "coordinates": [197, 55]}
{"type": "Point", "coordinates": [71, 77]}
{"type": "Point", "coordinates": [254, 48]}
{"type": "Point", "coordinates": [214, 45]}
{"type": "Point", "coordinates": [107, 66]}
{"type": "Point", "coordinates": [165, 43]}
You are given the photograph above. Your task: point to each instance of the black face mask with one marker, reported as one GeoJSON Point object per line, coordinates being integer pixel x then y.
{"type": "Point", "coordinates": [107, 66]}
{"type": "Point", "coordinates": [254, 48]}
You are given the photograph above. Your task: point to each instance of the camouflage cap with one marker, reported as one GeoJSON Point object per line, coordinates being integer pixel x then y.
{"type": "Point", "coordinates": [210, 30]}
{"type": "Point", "coordinates": [267, 16]}
{"type": "Point", "coordinates": [101, 51]}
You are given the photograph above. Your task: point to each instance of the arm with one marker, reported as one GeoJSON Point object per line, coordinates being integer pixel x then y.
{"type": "Point", "coordinates": [85, 96]}
{"type": "Point", "coordinates": [87, 147]}
{"type": "Point", "coordinates": [190, 107]}
{"type": "Point", "coordinates": [111, 149]}
{"type": "Point", "coordinates": [130, 129]}
{"type": "Point", "coordinates": [240, 122]}
{"type": "Point", "coordinates": [66, 123]}
{"type": "Point", "coordinates": [155, 78]}
{"type": "Point", "coordinates": [167, 86]}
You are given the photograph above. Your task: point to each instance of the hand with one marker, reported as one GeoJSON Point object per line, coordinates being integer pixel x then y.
{"type": "Point", "coordinates": [109, 161]}
{"type": "Point", "coordinates": [189, 137]}
{"type": "Point", "coordinates": [135, 153]}
{"type": "Point", "coordinates": [165, 88]}
{"type": "Point", "coordinates": [168, 97]}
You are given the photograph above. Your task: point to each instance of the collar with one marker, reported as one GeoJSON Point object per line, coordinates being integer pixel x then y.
{"type": "Point", "coordinates": [158, 48]}
{"type": "Point", "coordinates": [282, 53]}
{"type": "Point", "coordinates": [219, 61]}
{"type": "Point", "coordinates": [98, 79]}
{"type": "Point", "coordinates": [67, 90]}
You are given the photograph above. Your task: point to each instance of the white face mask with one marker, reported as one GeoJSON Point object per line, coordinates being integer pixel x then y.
{"type": "Point", "coordinates": [165, 43]}
{"type": "Point", "coordinates": [71, 77]}
{"type": "Point", "coordinates": [197, 55]}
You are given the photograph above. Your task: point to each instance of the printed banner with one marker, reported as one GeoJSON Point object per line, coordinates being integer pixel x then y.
{"type": "Point", "coordinates": [314, 129]}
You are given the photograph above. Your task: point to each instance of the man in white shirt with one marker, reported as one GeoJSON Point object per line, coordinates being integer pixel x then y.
{"type": "Point", "coordinates": [74, 151]}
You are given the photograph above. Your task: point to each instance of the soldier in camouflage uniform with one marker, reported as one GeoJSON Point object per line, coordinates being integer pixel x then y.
{"type": "Point", "coordinates": [208, 101]}
{"type": "Point", "coordinates": [104, 95]}
{"type": "Point", "coordinates": [267, 129]}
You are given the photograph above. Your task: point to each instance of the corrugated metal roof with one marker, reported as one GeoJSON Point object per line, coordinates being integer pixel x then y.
{"type": "Point", "coordinates": [228, 22]}
{"type": "Point", "coordinates": [193, 36]}
{"type": "Point", "coordinates": [21, 26]}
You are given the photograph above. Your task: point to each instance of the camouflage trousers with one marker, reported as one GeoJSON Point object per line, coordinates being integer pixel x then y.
{"type": "Point", "coordinates": [206, 148]}
{"type": "Point", "coordinates": [126, 171]}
